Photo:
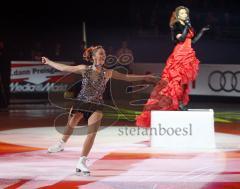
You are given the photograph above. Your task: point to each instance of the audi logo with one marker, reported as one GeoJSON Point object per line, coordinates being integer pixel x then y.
{"type": "Point", "coordinates": [227, 81]}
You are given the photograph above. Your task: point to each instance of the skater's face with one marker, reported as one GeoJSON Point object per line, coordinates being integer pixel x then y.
{"type": "Point", "coordinates": [99, 57]}
{"type": "Point", "coordinates": [182, 14]}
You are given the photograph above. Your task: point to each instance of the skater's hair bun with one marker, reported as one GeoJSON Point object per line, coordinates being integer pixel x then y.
{"type": "Point", "coordinates": [174, 16]}
{"type": "Point", "coordinates": [90, 52]}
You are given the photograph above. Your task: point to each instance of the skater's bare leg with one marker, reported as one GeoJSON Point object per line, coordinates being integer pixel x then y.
{"type": "Point", "coordinates": [94, 122]}
{"type": "Point", "coordinates": [72, 123]}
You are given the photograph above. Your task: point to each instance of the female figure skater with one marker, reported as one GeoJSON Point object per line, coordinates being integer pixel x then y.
{"type": "Point", "coordinates": [172, 91]}
{"type": "Point", "coordinates": [94, 81]}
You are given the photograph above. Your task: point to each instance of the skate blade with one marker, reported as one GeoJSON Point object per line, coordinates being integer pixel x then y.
{"type": "Point", "coordinates": [55, 152]}
{"type": "Point", "coordinates": [80, 173]}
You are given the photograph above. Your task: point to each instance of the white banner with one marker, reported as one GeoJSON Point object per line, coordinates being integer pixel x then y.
{"type": "Point", "coordinates": [212, 80]}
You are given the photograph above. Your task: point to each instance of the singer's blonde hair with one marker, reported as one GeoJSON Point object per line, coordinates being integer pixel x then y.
{"type": "Point", "coordinates": [174, 16]}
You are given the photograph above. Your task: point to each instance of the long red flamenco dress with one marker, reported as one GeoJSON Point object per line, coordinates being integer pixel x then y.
{"type": "Point", "coordinates": [180, 70]}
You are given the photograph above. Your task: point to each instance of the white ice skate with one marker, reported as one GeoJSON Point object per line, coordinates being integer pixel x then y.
{"type": "Point", "coordinates": [57, 147]}
{"type": "Point", "coordinates": [82, 167]}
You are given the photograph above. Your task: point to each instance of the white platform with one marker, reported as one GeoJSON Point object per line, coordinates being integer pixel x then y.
{"type": "Point", "coordinates": [192, 129]}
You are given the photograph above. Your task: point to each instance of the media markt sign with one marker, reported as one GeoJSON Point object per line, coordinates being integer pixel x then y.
{"type": "Point", "coordinates": [33, 76]}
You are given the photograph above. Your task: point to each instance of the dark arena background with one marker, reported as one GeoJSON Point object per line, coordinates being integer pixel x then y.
{"type": "Point", "coordinates": [194, 149]}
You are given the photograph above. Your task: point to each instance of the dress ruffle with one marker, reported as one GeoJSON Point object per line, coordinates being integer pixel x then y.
{"type": "Point", "coordinates": [180, 70]}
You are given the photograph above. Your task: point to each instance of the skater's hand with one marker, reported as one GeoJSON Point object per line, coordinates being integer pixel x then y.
{"type": "Point", "coordinates": [45, 60]}
{"type": "Point", "coordinates": [151, 79]}
{"type": "Point", "coordinates": [205, 28]}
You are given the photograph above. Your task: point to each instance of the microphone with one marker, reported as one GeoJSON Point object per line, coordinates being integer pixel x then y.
{"type": "Point", "coordinates": [187, 21]}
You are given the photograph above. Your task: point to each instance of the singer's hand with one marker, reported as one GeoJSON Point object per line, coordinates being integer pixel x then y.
{"type": "Point", "coordinates": [205, 28]}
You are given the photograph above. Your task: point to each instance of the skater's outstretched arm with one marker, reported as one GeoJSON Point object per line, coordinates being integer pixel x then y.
{"type": "Point", "coordinates": [199, 35]}
{"type": "Point", "coordinates": [64, 68]}
{"type": "Point", "coordinates": [133, 77]}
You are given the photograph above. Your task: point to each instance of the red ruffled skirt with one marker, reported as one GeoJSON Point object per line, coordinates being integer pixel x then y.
{"type": "Point", "coordinates": [180, 70]}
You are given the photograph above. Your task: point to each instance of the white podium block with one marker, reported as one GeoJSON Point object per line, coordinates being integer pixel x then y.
{"type": "Point", "coordinates": [192, 129]}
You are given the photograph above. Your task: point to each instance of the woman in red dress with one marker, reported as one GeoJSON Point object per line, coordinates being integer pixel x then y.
{"type": "Point", "coordinates": [172, 91]}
